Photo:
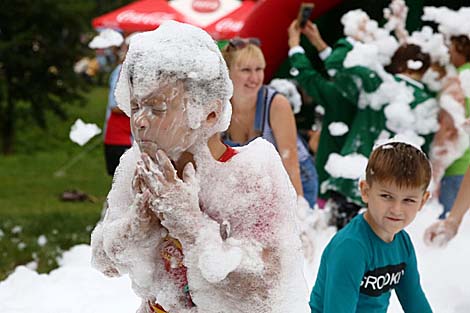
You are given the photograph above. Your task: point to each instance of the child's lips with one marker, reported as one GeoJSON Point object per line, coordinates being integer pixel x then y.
{"type": "Point", "coordinates": [393, 219]}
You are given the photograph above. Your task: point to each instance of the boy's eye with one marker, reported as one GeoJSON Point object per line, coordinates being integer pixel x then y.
{"type": "Point", "coordinates": [158, 110]}
{"type": "Point", "coordinates": [410, 200]}
{"type": "Point", "coordinates": [159, 107]}
{"type": "Point", "coordinates": [386, 196]}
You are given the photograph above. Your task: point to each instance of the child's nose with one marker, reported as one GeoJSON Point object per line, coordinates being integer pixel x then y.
{"type": "Point", "coordinates": [141, 120]}
{"type": "Point", "coordinates": [395, 208]}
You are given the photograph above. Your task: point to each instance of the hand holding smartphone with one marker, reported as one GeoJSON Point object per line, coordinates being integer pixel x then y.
{"type": "Point", "coordinates": [305, 11]}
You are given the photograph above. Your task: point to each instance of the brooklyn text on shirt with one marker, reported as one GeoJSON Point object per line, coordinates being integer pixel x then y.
{"type": "Point", "coordinates": [379, 281]}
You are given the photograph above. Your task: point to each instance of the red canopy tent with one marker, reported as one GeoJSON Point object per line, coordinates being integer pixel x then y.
{"type": "Point", "coordinates": [146, 15]}
{"type": "Point", "coordinates": [267, 20]}
{"type": "Point", "coordinates": [230, 25]}
{"type": "Point", "coordinates": [141, 15]}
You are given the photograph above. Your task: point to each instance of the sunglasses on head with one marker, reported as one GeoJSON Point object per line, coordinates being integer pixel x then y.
{"type": "Point", "coordinates": [240, 43]}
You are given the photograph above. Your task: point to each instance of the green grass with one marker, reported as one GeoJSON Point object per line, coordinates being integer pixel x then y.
{"type": "Point", "coordinates": [30, 188]}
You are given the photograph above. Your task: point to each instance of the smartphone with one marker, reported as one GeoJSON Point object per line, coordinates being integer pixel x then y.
{"type": "Point", "coordinates": [305, 11]}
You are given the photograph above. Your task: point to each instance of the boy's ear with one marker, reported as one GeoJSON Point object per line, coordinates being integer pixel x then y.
{"type": "Point", "coordinates": [211, 118]}
{"type": "Point", "coordinates": [425, 198]}
{"type": "Point", "coordinates": [364, 188]}
{"type": "Point", "coordinates": [214, 115]}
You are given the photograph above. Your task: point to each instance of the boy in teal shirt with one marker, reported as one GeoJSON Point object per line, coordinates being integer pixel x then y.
{"type": "Point", "coordinates": [373, 254]}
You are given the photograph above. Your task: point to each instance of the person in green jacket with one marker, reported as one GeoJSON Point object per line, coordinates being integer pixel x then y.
{"type": "Point", "coordinates": [337, 94]}
{"type": "Point", "coordinates": [460, 57]}
{"type": "Point", "coordinates": [373, 124]}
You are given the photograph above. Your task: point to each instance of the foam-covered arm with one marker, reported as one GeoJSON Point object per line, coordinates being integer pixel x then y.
{"type": "Point", "coordinates": [441, 232]}
{"type": "Point", "coordinates": [99, 258]}
{"type": "Point", "coordinates": [217, 258]}
{"type": "Point", "coordinates": [115, 241]}
{"type": "Point", "coordinates": [129, 232]}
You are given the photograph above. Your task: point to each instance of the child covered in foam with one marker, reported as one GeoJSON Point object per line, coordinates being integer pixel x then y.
{"type": "Point", "coordinates": [198, 226]}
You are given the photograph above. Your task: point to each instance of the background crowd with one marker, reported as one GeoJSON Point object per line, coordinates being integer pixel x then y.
{"type": "Point", "coordinates": [374, 83]}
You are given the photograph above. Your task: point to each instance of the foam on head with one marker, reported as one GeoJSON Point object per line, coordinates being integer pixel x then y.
{"type": "Point", "coordinates": [357, 25]}
{"type": "Point", "coordinates": [180, 52]}
{"type": "Point", "coordinates": [400, 163]}
{"type": "Point", "coordinates": [432, 44]}
{"type": "Point", "coordinates": [380, 44]}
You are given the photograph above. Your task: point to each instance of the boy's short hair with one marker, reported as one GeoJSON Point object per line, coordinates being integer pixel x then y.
{"type": "Point", "coordinates": [399, 163]}
{"type": "Point", "coordinates": [462, 45]}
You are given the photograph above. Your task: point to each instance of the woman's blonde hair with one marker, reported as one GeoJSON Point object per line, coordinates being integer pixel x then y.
{"type": "Point", "coordinates": [234, 55]}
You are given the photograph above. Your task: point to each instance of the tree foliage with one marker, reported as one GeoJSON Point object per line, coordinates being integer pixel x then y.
{"type": "Point", "coordinates": [39, 43]}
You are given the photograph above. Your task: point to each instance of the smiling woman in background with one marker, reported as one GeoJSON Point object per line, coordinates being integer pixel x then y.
{"type": "Point", "coordinates": [259, 111]}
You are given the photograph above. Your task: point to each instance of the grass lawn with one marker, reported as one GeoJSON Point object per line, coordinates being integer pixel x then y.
{"type": "Point", "coordinates": [35, 225]}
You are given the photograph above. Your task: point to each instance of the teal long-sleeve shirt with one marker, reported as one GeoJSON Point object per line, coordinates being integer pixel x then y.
{"type": "Point", "coordinates": [358, 270]}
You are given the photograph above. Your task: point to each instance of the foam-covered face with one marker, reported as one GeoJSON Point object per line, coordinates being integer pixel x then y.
{"type": "Point", "coordinates": [159, 121]}
{"type": "Point", "coordinates": [247, 76]}
{"type": "Point", "coordinates": [390, 208]}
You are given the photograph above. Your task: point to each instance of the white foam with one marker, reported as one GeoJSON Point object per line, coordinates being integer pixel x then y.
{"type": "Point", "coordinates": [351, 166]}
{"type": "Point", "coordinates": [396, 15]}
{"type": "Point", "coordinates": [82, 132]}
{"type": "Point", "coordinates": [338, 128]}
{"type": "Point", "coordinates": [105, 39]}
{"type": "Point", "coordinates": [432, 44]}
{"type": "Point", "coordinates": [288, 89]}
{"type": "Point", "coordinates": [451, 22]}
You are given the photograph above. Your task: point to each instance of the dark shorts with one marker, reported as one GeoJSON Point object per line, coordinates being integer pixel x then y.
{"type": "Point", "coordinates": [112, 155]}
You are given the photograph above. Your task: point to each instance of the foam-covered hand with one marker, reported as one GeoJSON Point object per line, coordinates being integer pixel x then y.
{"type": "Point", "coordinates": [142, 195]}
{"type": "Point", "coordinates": [440, 233]}
{"type": "Point", "coordinates": [99, 258]}
{"type": "Point", "coordinates": [171, 196]}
